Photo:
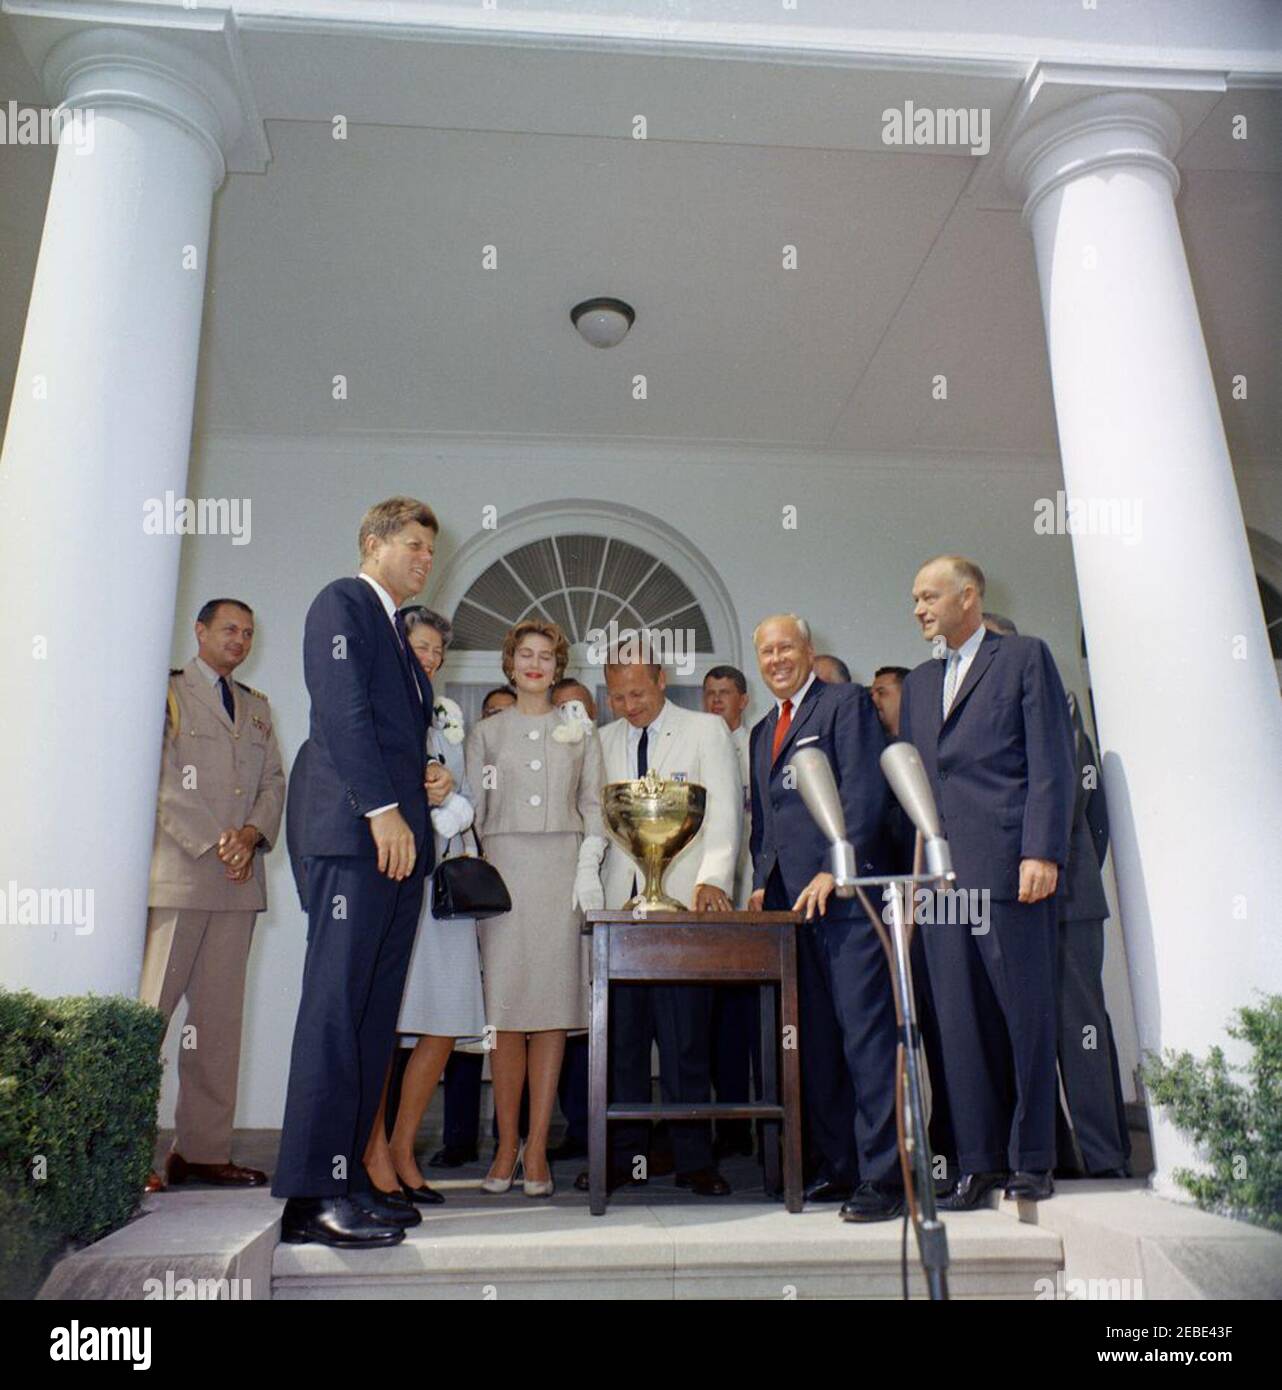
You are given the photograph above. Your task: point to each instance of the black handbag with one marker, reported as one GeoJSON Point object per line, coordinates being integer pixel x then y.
{"type": "Point", "coordinates": [468, 885]}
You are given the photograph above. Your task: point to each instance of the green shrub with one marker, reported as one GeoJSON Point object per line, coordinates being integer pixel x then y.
{"type": "Point", "coordinates": [1236, 1124]}
{"type": "Point", "coordinates": [79, 1083]}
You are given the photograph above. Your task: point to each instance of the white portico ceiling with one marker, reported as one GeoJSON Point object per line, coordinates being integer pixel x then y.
{"type": "Point", "coordinates": [362, 257]}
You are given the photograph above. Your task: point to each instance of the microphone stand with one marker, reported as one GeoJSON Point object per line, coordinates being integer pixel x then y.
{"type": "Point", "coordinates": [910, 1108]}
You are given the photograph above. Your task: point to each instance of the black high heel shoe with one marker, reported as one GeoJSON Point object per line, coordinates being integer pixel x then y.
{"type": "Point", "coordinates": [425, 1196]}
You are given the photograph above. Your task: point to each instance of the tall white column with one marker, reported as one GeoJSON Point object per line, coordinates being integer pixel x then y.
{"type": "Point", "coordinates": [100, 421]}
{"type": "Point", "coordinates": [1190, 719]}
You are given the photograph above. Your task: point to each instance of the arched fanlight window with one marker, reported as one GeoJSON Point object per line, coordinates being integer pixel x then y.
{"type": "Point", "coordinates": [582, 583]}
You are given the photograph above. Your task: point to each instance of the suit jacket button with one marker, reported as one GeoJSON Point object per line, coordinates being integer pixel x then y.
{"type": "Point", "coordinates": [535, 765]}
{"type": "Point", "coordinates": [536, 801]}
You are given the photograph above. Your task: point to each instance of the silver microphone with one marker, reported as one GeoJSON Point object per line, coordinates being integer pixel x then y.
{"type": "Point", "coordinates": [818, 790]}
{"type": "Point", "coordinates": [901, 764]}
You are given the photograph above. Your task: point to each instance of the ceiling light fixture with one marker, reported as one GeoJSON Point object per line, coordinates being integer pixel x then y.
{"type": "Point", "coordinates": [603, 322]}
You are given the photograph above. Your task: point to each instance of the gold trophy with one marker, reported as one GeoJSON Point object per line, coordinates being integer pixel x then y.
{"type": "Point", "coordinates": [654, 821]}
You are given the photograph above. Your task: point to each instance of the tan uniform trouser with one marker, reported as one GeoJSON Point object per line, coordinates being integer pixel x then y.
{"type": "Point", "coordinates": [202, 955]}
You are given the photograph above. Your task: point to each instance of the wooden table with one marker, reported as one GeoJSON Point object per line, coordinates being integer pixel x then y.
{"type": "Point", "coordinates": [701, 948]}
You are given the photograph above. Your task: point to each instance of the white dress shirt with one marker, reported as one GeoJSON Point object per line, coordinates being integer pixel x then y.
{"type": "Point", "coordinates": [797, 696]}
{"type": "Point", "coordinates": [651, 747]}
{"type": "Point", "coordinates": [966, 654]}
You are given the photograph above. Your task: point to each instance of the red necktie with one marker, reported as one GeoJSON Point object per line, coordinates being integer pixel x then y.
{"type": "Point", "coordinates": [781, 729]}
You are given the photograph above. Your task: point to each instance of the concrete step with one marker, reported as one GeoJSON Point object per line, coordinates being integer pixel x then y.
{"type": "Point", "coordinates": [662, 1244]}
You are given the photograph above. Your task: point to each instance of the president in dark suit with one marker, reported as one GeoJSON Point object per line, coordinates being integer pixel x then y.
{"type": "Point", "coordinates": [846, 1005]}
{"type": "Point", "coordinates": [360, 831]}
{"type": "Point", "coordinates": [990, 721]}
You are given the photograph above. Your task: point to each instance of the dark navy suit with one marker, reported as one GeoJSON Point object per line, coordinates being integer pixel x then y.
{"type": "Point", "coordinates": [1087, 1052]}
{"type": "Point", "coordinates": [1002, 770]}
{"type": "Point", "coordinates": [366, 748]}
{"type": "Point", "coordinates": [847, 1010]}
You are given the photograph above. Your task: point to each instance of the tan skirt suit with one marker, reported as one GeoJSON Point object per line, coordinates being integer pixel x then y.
{"type": "Point", "coordinates": [536, 798]}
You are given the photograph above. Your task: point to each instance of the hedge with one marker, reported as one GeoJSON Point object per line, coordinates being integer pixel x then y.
{"type": "Point", "coordinates": [79, 1085]}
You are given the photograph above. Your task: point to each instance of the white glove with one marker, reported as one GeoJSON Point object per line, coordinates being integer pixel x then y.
{"type": "Point", "coordinates": [588, 893]}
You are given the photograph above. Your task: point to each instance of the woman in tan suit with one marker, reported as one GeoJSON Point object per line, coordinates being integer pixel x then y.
{"type": "Point", "coordinates": [538, 811]}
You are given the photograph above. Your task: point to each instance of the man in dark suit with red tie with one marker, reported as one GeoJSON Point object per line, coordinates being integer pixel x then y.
{"type": "Point", "coordinates": [845, 1002]}
{"type": "Point", "coordinates": [990, 721]}
{"type": "Point", "coordinates": [359, 824]}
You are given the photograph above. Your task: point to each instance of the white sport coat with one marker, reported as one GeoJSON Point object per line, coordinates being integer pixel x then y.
{"type": "Point", "coordinates": [700, 747]}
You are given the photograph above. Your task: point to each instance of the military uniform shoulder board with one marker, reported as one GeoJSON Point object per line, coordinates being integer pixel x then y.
{"type": "Point", "coordinates": [250, 689]}
{"type": "Point", "coordinates": [172, 717]}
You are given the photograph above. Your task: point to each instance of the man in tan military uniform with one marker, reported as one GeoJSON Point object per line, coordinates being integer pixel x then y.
{"type": "Point", "coordinates": [222, 791]}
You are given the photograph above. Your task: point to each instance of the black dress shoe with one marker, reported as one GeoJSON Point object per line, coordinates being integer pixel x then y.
{"type": "Point", "coordinates": [826, 1190]}
{"type": "Point", "coordinates": [704, 1182]}
{"type": "Point", "coordinates": [336, 1221]}
{"type": "Point", "coordinates": [569, 1148]}
{"type": "Point", "coordinates": [1030, 1187]}
{"type": "Point", "coordinates": [388, 1207]}
{"type": "Point", "coordinates": [615, 1178]}
{"type": "Point", "coordinates": [874, 1201]}
{"type": "Point", "coordinates": [971, 1190]}
{"type": "Point", "coordinates": [452, 1157]}
{"type": "Point", "coordinates": [424, 1196]}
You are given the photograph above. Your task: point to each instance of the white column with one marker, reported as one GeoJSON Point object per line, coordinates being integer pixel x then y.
{"type": "Point", "coordinates": [1189, 715]}
{"type": "Point", "coordinates": [100, 422]}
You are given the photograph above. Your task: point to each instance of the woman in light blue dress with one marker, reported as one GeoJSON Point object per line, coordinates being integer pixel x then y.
{"type": "Point", "coordinates": [442, 1002]}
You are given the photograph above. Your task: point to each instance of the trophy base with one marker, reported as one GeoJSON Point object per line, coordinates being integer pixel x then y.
{"type": "Point", "coordinates": [642, 906]}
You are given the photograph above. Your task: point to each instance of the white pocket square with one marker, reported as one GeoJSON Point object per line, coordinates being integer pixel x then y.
{"type": "Point", "coordinates": [801, 742]}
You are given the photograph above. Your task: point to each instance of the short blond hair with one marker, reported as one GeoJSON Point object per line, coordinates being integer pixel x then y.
{"type": "Point", "coordinates": [385, 519]}
{"type": "Point", "coordinates": [535, 627]}
{"type": "Point", "coordinates": [964, 571]}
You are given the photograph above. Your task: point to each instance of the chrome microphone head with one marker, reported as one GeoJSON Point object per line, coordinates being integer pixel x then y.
{"type": "Point", "coordinates": [818, 790]}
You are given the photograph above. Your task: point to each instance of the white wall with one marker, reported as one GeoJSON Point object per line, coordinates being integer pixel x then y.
{"type": "Point", "coordinates": [864, 524]}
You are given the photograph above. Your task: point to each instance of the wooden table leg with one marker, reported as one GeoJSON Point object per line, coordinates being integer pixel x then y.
{"type": "Point", "coordinates": [598, 1069]}
{"type": "Point", "coordinates": [791, 1030]}
{"type": "Point", "coordinates": [770, 1087]}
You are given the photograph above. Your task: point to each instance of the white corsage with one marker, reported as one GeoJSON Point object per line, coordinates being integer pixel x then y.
{"type": "Point", "coordinates": [576, 724]}
{"type": "Point", "coordinates": [448, 718]}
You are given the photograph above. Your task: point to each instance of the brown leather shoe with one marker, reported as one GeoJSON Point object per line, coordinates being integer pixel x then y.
{"type": "Point", "coordinates": [704, 1182]}
{"type": "Point", "coordinates": [155, 1183]}
{"type": "Point", "coordinates": [178, 1170]}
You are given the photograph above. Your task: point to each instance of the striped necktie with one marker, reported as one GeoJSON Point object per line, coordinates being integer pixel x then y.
{"type": "Point", "coordinates": [950, 680]}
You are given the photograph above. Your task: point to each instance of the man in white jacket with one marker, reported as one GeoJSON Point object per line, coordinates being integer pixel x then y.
{"type": "Point", "coordinates": [649, 731]}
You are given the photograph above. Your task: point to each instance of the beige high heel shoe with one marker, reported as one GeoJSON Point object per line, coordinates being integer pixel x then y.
{"type": "Point", "coordinates": [540, 1189]}
{"type": "Point", "coordinates": [498, 1186]}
